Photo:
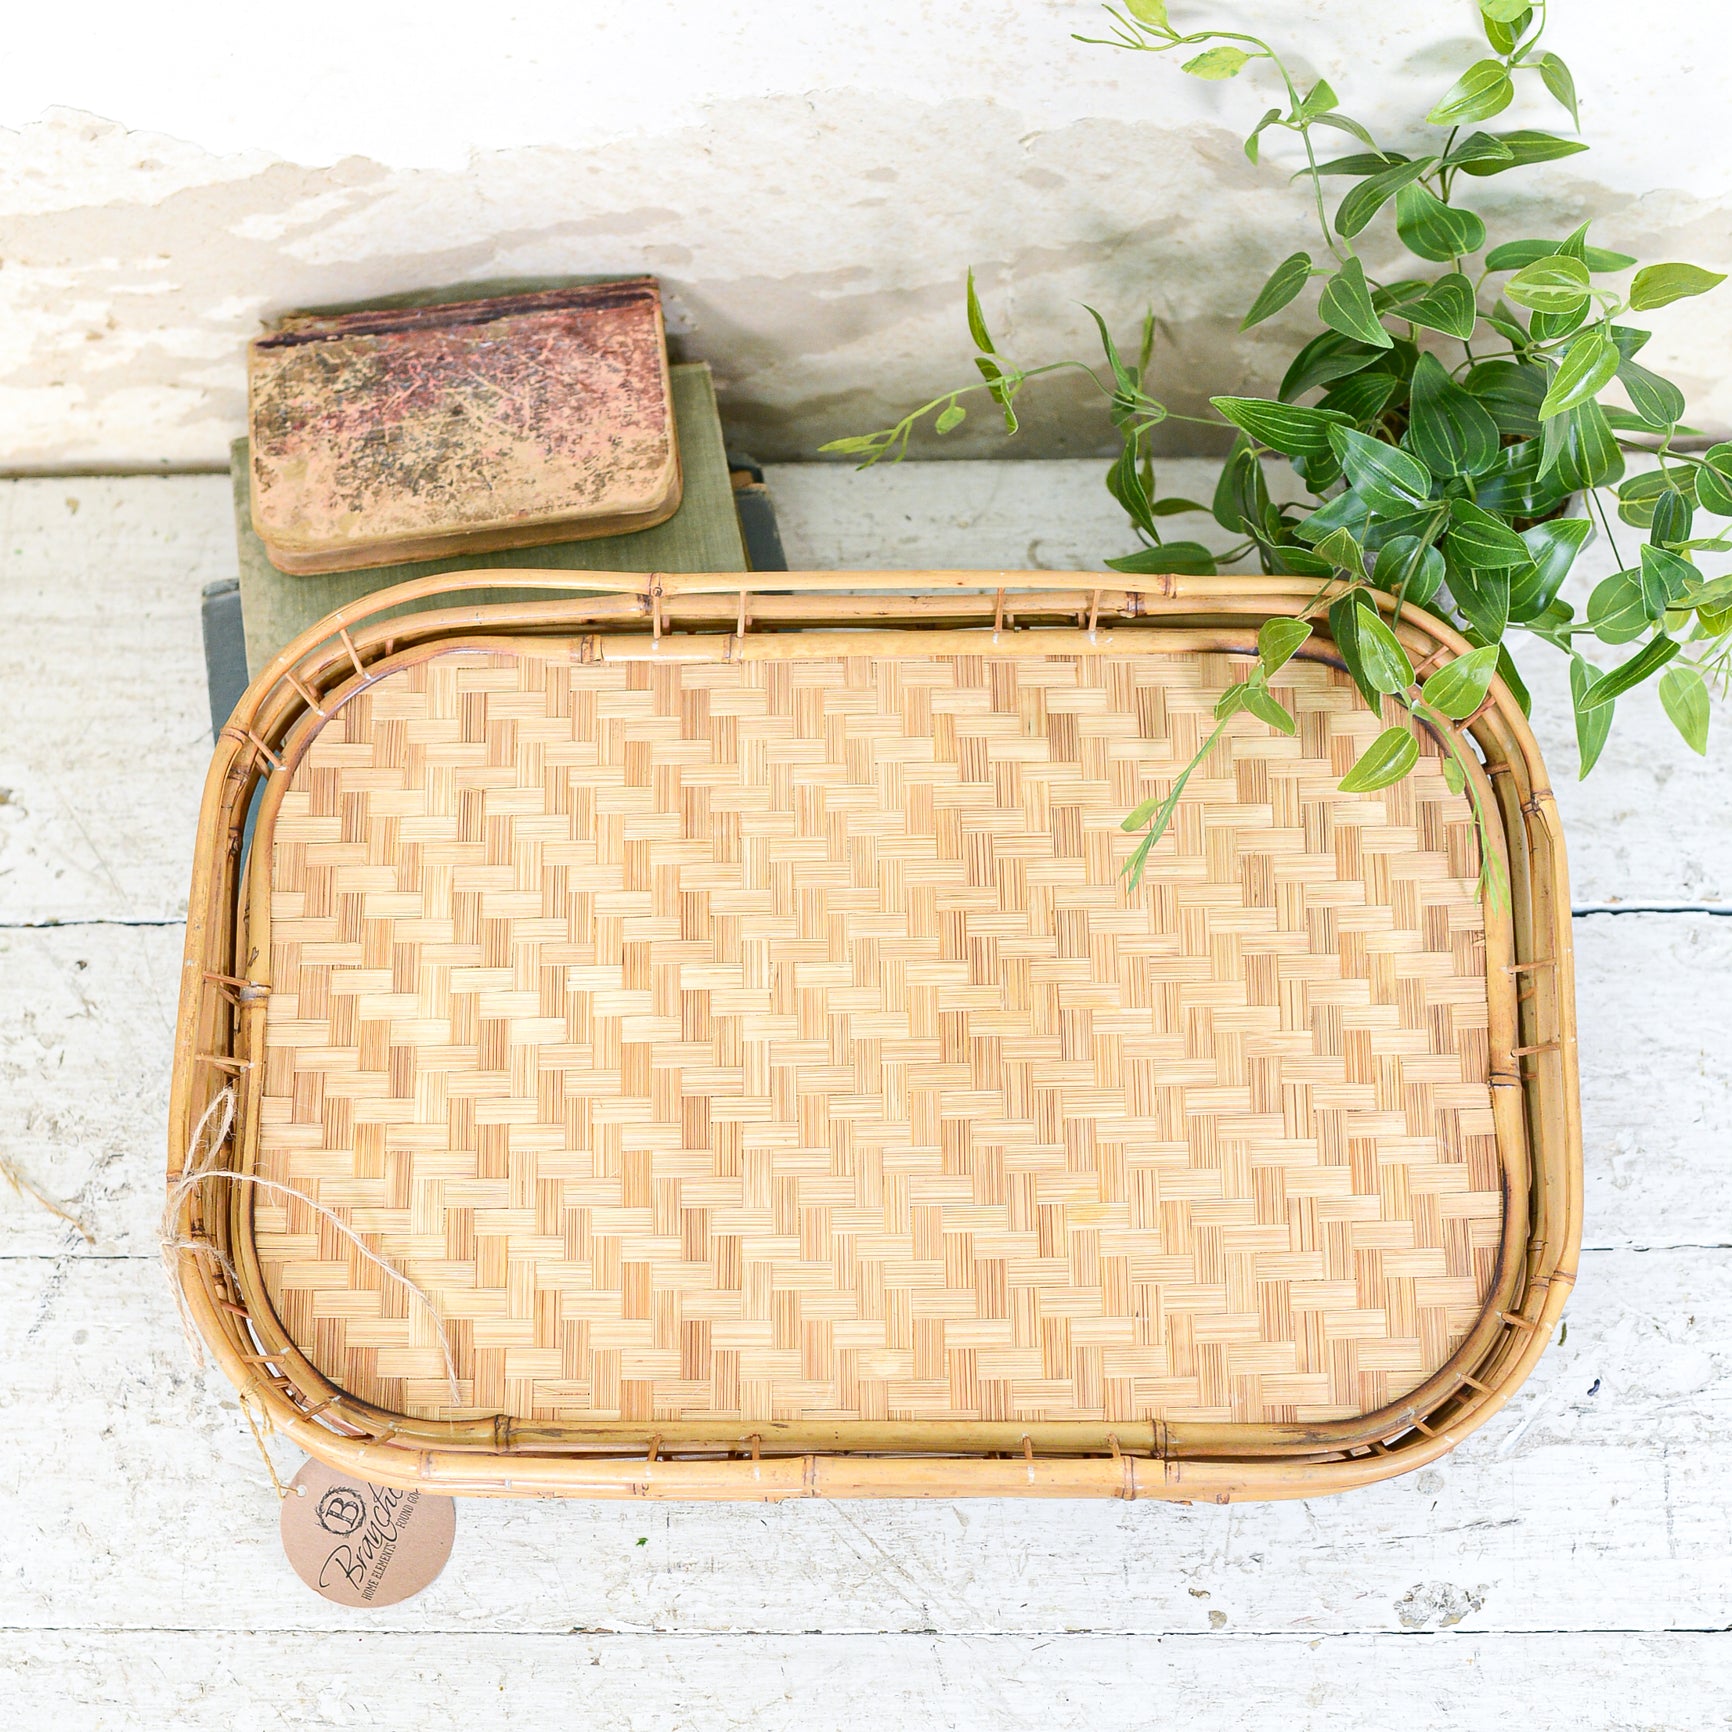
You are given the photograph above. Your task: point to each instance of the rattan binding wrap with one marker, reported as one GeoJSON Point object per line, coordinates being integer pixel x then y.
{"type": "Point", "coordinates": [725, 1008]}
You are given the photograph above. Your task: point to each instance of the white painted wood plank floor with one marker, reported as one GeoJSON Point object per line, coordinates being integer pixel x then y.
{"type": "Point", "coordinates": [1570, 1566]}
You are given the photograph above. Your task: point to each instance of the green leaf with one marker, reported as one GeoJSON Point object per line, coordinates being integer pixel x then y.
{"type": "Point", "coordinates": [1360, 398]}
{"type": "Point", "coordinates": [998, 388]}
{"type": "Point", "coordinates": [1187, 558]}
{"type": "Point", "coordinates": [1361, 162]}
{"type": "Point", "coordinates": [1512, 255]}
{"type": "Point", "coordinates": [1559, 82]}
{"type": "Point", "coordinates": [1485, 540]}
{"type": "Point", "coordinates": [1504, 37]}
{"type": "Point", "coordinates": [1345, 511]}
{"type": "Point", "coordinates": [1344, 123]}
{"type": "Point", "coordinates": [953, 416]}
{"type": "Point", "coordinates": [1433, 229]}
{"type": "Point", "coordinates": [1587, 369]}
{"type": "Point", "coordinates": [1231, 701]}
{"type": "Point", "coordinates": [1671, 525]}
{"type": "Point", "coordinates": [1548, 327]}
{"type": "Point", "coordinates": [1649, 659]}
{"type": "Point", "coordinates": [1285, 281]}
{"type": "Point", "coordinates": [1639, 497]}
{"type": "Point", "coordinates": [1345, 615]}
{"type": "Point", "coordinates": [1618, 608]}
{"type": "Point", "coordinates": [977, 321]}
{"type": "Point", "coordinates": [1481, 593]}
{"type": "Point", "coordinates": [1556, 283]}
{"type": "Point", "coordinates": [1552, 547]}
{"type": "Point", "coordinates": [1345, 306]}
{"type": "Point", "coordinates": [1657, 401]}
{"type": "Point", "coordinates": [1513, 486]}
{"type": "Point", "coordinates": [1385, 661]}
{"type": "Point", "coordinates": [1684, 696]}
{"type": "Point", "coordinates": [1384, 762]}
{"type": "Point", "coordinates": [1240, 472]}
{"type": "Point", "coordinates": [1388, 480]}
{"type": "Point", "coordinates": [1504, 320]}
{"type": "Point", "coordinates": [1504, 11]}
{"type": "Point", "coordinates": [1592, 725]}
{"type": "Point", "coordinates": [1215, 63]}
{"type": "Point", "coordinates": [1458, 688]}
{"type": "Point", "coordinates": [1266, 707]}
{"type": "Point", "coordinates": [1448, 430]}
{"type": "Point", "coordinates": [1370, 196]}
{"type": "Point", "coordinates": [1446, 306]}
{"type": "Point", "coordinates": [1512, 392]}
{"type": "Point", "coordinates": [1125, 484]}
{"type": "Point", "coordinates": [1253, 146]}
{"type": "Point", "coordinates": [1483, 90]}
{"type": "Point", "coordinates": [1285, 559]}
{"type": "Point", "coordinates": [1454, 776]}
{"type": "Point", "coordinates": [1710, 596]}
{"type": "Point", "coordinates": [1174, 506]}
{"type": "Point", "coordinates": [1410, 568]}
{"type": "Point", "coordinates": [1343, 552]}
{"type": "Point", "coordinates": [1661, 285]}
{"type": "Point", "coordinates": [1423, 520]}
{"type": "Point", "coordinates": [1664, 577]}
{"type": "Point", "coordinates": [1524, 147]}
{"type": "Point", "coordinates": [1133, 867]}
{"type": "Point", "coordinates": [1511, 677]}
{"type": "Point", "coordinates": [1714, 480]}
{"type": "Point", "coordinates": [1150, 12]}
{"type": "Point", "coordinates": [1581, 449]}
{"type": "Point", "coordinates": [1127, 393]}
{"type": "Point", "coordinates": [1278, 641]}
{"type": "Point", "coordinates": [1481, 148]}
{"type": "Point", "coordinates": [1140, 814]}
{"type": "Point", "coordinates": [1283, 427]}
{"type": "Point", "coordinates": [1327, 356]}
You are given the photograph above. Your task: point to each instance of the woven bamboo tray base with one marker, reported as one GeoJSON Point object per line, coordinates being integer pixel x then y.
{"type": "Point", "coordinates": [751, 1044]}
{"type": "Point", "coordinates": [773, 1041]}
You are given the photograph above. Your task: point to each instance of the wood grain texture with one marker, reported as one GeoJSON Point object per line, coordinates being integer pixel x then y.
{"type": "Point", "coordinates": [106, 734]}
{"type": "Point", "coordinates": [1597, 1502]}
{"type": "Point", "coordinates": [640, 1684]}
{"type": "Point", "coordinates": [772, 1041]}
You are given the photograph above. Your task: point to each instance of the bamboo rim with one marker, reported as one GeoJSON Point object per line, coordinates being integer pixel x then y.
{"type": "Point", "coordinates": [1530, 994]}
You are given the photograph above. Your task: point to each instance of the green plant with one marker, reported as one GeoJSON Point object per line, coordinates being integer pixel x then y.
{"type": "Point", "coordinates": [1442, 472]}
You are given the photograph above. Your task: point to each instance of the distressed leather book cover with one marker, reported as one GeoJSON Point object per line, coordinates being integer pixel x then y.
{"type": "Point", "coordinates": [703, 535]}
{"type": "Point", "coordinates": [422, 431]}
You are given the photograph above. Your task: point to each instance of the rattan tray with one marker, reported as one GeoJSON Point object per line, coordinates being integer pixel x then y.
{"type": "Point", "coordinates": [716, 1022]}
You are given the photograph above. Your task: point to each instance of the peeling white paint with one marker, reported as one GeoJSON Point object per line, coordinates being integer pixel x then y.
{"type": "Point", "coordinates": [810, 181]}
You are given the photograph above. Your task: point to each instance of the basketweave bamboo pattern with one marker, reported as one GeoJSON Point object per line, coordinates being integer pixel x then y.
{"type": "Point", "coordinates": [774, 1041]}
{"type": "Point", "coordinates": [747, 1045]}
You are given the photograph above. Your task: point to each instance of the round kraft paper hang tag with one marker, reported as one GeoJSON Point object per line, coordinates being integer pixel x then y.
{"type": "Point", "coordinates": [364, 1545]}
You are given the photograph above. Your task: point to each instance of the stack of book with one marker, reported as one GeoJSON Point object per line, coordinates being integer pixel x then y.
{"type": "Point", "coordinates": [536, 430]}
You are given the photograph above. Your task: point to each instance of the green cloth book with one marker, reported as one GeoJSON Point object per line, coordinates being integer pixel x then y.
{"type": "Point", "coordinates": [703, 535]}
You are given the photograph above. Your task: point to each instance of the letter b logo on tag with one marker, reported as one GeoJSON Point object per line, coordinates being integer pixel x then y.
{"type": "Point", "coordinates": [361, 1544]}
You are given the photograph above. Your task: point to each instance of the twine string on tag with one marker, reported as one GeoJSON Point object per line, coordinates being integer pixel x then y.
{"type": "Point", "coordinates": [201, 1157]}
{"type": "Point", "coordinates": [261, 1427]}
